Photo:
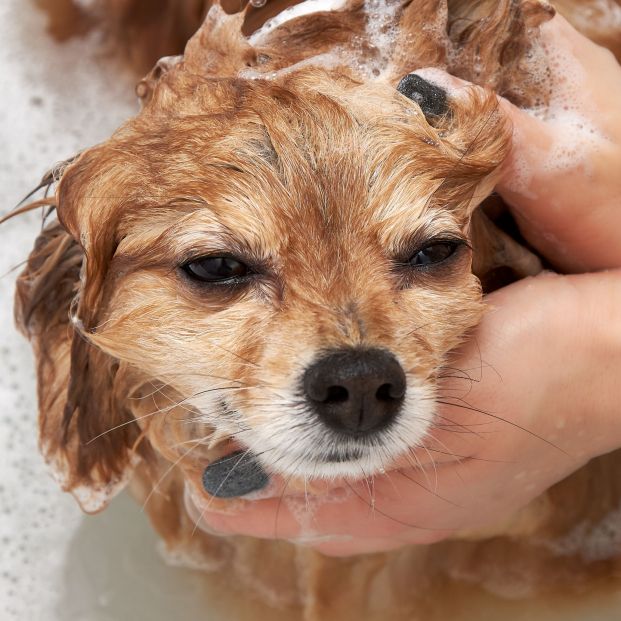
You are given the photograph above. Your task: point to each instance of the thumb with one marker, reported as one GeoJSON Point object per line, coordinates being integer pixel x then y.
{"type": "Point", "coordinates": [542, 181]}
{"type": "Point", "coordinates": [532, 138]}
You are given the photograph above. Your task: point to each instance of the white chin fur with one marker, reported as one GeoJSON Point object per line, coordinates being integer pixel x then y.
{"type": "Point", "coordinates": [289, 449]}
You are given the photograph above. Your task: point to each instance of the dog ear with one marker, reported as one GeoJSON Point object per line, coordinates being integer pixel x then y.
{"type": "Point", "coordinates": [476, 137]}
{"type": "Point", "coordinates": [87, 432]}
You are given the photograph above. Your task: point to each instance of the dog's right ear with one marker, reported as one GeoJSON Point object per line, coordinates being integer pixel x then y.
{"type": "Point", "coordinates": [87, 433]}
{"type": "Point", "coordinates": [80, 389]}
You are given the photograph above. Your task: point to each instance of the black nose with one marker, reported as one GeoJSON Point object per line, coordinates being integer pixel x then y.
{"type": "Point", "coordinates": [355, 391]}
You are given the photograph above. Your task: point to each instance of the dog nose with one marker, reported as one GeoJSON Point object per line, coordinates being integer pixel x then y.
{"type": "Point", "coordinates": [356, 391]}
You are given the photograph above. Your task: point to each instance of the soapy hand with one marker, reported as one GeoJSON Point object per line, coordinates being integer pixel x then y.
{"type": "Point", "coordinates": [533, 396]}
{"type": "Point", "coordinates": [522, 405]}
{"type": "Point", "coordinates": [562, 179]}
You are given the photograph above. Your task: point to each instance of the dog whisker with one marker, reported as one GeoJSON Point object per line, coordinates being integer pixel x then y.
{"type": "Point", "coordinates": [420, 466]}
{"type": "Point", "coordinates": [392, 518]}
{"type": "Point", "coordinates": [167, 410]}
{"type": "Point", "coordinates": [468, 457]}
{"type": "Point", "coordinates": [124, 424]}
{"type": "Point", "coordinates": [167, 472]}
{"type": "Point", "coordinates": [427, 489]}
{"type": "Point", "coordinates": [471, 408]}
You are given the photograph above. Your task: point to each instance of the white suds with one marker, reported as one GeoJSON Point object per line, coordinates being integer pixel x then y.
{"type": "Point", "coordinates": [304, 509]}
{"type": "Point", "coordinates": [600, 15]}
{"type": "Point", "coordinates": [369, 55]}
{"type": "Point", "coordinates": [94, 499]}
{"type": "Point", "coordinates": [592, 542]}
{"type": "Point", "coordinates": [327, 61]}
{"type": "Point", "coordinates": [303, 8]}
{"type": "Point", "coordinates": [576, 137]}
{"type": "Point", "coordinates": [189, 558]}
{"type": "Point", "coordinates": [381, 34]}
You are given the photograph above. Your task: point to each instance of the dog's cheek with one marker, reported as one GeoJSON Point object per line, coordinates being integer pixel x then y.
{"type": "Point", "coordinates": [148, 324]}
{"type": "Point", "coordinates": [201, 342]}
{"type": "Point", "coordinates": [436, 317]}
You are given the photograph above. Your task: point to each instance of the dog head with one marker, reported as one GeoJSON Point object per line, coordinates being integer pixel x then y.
{"type": "Point", "coordinates": [284, 259]}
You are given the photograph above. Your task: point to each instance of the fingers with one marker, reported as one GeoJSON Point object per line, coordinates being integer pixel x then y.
{"type": "Point", "coordinates": [388, 508]}
{"type": "Point", "coordinates": [560, 178]}
{"type": "Point", "coordinates": [503, 451]}
{"type": "Point", "coordinates": [402, 507]}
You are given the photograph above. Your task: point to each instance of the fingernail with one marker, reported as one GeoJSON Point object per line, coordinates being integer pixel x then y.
{"type": "Point", "coordinates": [234, 475]}
{"type": "Point", "coordinates": [431, 98]}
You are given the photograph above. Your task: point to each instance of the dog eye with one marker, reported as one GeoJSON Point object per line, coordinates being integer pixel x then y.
{"type": "Point", "coordinates": [434, 253]}
{"type": "Point", "coordinates": [216, 269]}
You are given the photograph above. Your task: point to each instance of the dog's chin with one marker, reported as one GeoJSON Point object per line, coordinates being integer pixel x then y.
{"type": "Point", "coordinates": [366, 465]}
{"type": "Point", "coordinates": [295, 445]}
{"type": "Point", "coordinates": [353, 460]}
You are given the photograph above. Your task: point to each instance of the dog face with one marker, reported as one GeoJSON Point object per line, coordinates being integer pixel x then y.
{"type": "Point", "coordinates": [279, 257]}
{"type": "Point", "coordinates": [292, 258]}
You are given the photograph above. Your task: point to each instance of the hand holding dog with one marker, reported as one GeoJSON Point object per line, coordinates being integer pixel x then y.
{"type": "Point", "coordinates": [524, 405]}
{"type": "Point", "coordinates": [531, 397]}
{"type": "Point", "coordinates": [562, 178]}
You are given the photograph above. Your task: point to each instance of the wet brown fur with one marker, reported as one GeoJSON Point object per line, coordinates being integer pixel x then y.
{"type": "Point", "coordinates": [290, 173]}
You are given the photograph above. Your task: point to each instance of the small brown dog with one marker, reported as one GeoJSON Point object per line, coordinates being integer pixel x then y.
{"type": "Point", "coordinates": [277, 253]}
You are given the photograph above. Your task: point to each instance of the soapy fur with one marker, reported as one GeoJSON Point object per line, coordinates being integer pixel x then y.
{"type": "Point", "coordinates": [291, 147]}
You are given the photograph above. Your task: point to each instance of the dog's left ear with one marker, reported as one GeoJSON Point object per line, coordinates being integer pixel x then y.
{"type": "Point", "coordinates": [471, 134]}
{"type": "Point", "coordinates": [87, 432]}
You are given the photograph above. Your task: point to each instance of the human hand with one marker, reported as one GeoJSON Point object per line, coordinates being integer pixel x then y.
{"type": "Point", "coordinates": [562, 178]}
{"type": "Point", "coordinates": [511, 423]}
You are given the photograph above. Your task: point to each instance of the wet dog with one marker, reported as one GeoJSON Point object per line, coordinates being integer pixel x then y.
{"type": "Point", "coordinates": [276, 256]}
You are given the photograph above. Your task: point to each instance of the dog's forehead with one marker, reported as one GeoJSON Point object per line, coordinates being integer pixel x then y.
{"type": "Point", "coordinates": [314, 111]}
{"type": "Point", "coordinates": [273, 163]}
{"type": "Point", "coordinates": [301, 138]}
